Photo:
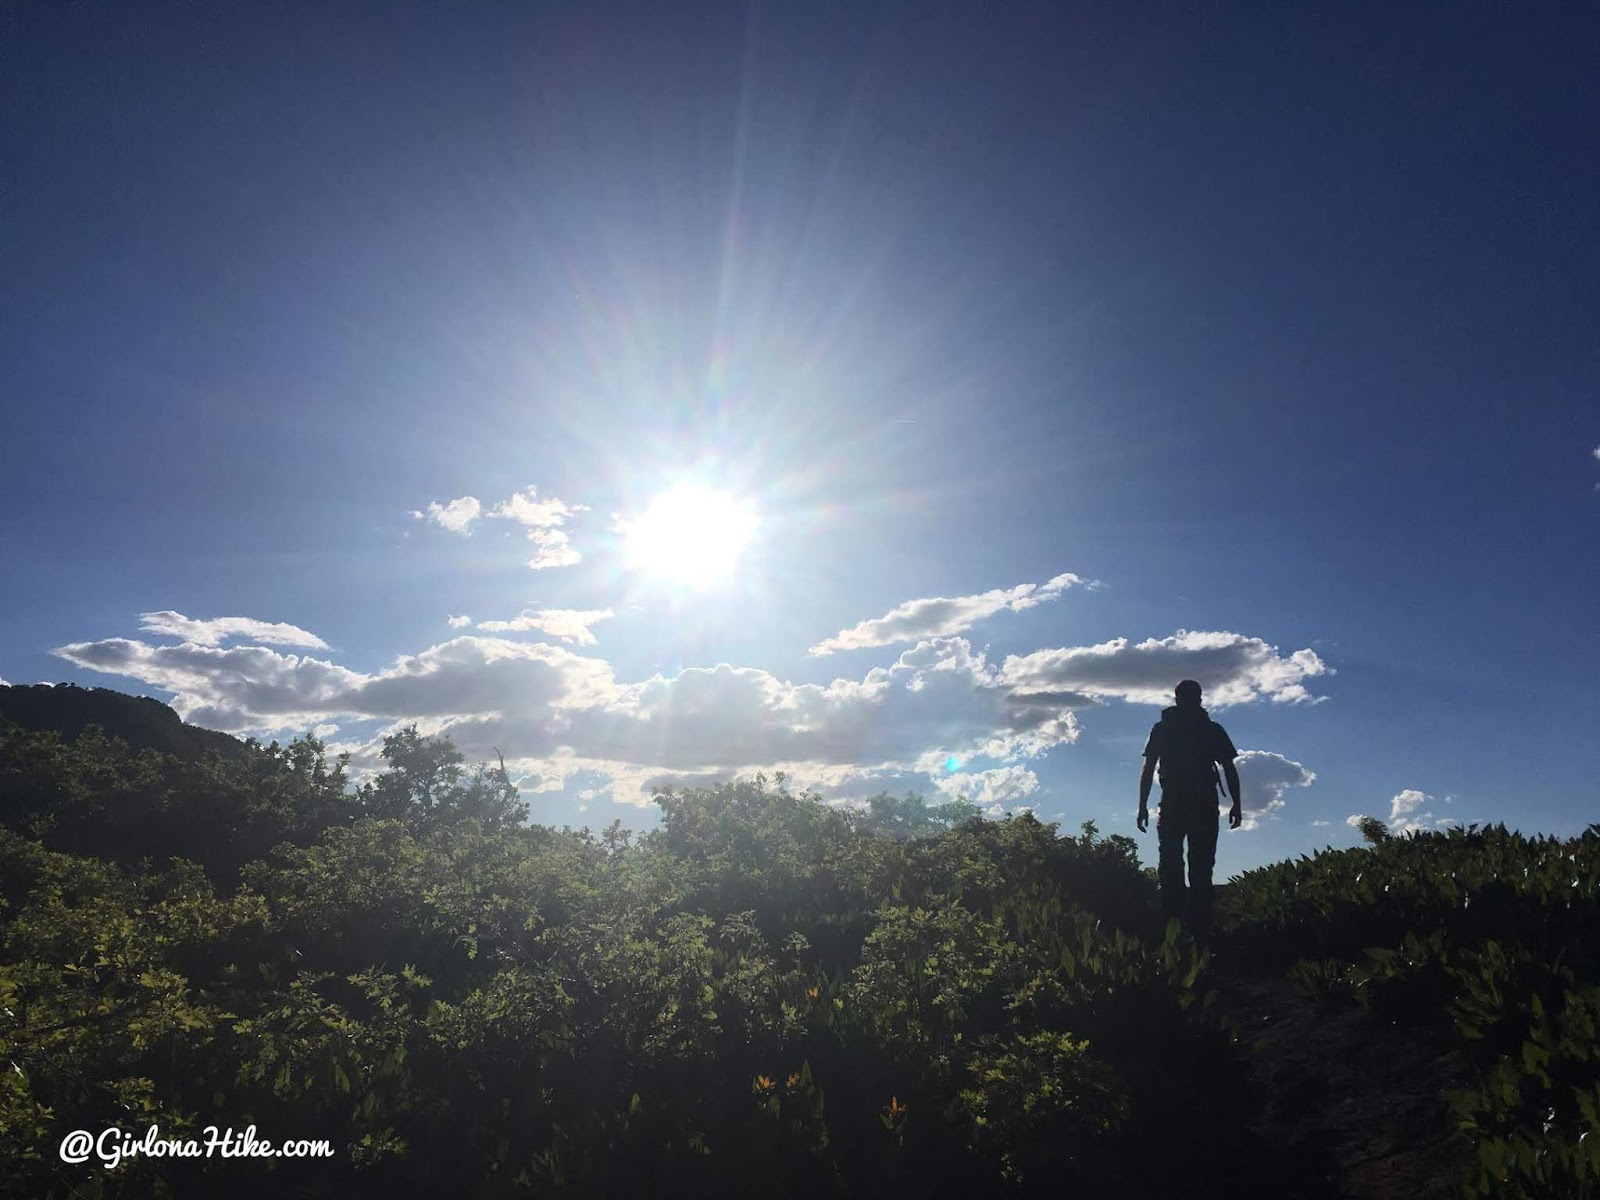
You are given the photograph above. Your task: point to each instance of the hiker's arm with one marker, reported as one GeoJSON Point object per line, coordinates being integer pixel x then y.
{"type": "Point", "coordinates": [1231, 773]}
{"type": "Point", "coordinates": [1145, 778]}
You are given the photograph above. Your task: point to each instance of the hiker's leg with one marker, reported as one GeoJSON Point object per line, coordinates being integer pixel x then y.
{"type": "Point", "coordinates": [1169, 868]}
{"type": "Point", "coordinates": [1203, 826]}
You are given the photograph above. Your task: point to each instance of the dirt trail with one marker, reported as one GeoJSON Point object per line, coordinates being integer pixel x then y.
{"type": "Point", "coordinates": [1344, 1087]}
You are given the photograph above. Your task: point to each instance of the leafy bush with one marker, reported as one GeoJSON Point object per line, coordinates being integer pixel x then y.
{"type": "Point", "coordinates": [1487, 941]}
{"type": "Point", "coordinates": [766, 993]}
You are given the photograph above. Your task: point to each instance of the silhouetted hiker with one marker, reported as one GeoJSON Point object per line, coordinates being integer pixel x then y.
{"type": "Point", "coordinates": [1188, 744]}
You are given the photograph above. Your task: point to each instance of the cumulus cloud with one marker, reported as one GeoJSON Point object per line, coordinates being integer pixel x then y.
{"type": "Point", "coordinates": [251, 687]}
{"type": "Point", "coordinates": [1232, 668]}
{"type": "Point", "coordinates": [527, 509]}
{"type": "Point", "coordinates": [543, 519]}
{"type": "Point", "coordinates": [941, 616]}
{"type": "Point", "coordinates": [553, 548]}
{"type": "Point", "coordinates": [457, 516]}
{"type": "Point", "coordinates": [1264, 777]}
{"type": "Point", "coordinates": [1405, 803]}
{"type": "Point", "coordinates": [240, 687]}
{"type": "Point", "coordinates": [997, 787]}
{"type": "Point", "coordinates": [460, 622]}
{"type": "Point", "coordinates": [567, 624]}
{"type": "Point", "coordinates": [1410, 811]}
{"type": "Point", "coordinates": [220, 629]}
{"type": "Point", "coordinates": [558, 712]}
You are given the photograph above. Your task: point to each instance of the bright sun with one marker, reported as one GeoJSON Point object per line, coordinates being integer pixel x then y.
{"type": "Point", "coordinates": [690, 535]}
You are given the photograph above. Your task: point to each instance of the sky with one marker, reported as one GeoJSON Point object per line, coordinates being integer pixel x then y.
{"type": "Point", "coordinates": [902, 396]}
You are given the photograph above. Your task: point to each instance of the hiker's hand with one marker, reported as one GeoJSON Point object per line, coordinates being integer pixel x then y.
{"type": "Point", "coordinates": [1235, 817]}
{"type": "Point", "coordinates": [1144, 819]}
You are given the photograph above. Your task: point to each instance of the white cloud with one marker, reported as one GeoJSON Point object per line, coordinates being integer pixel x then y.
{"type": "Point", "coordinates": [1319, 824]}
{"type": "Point", "coordinates": [543, 519]}
{"type": "Point", "coordinates": [1232, 668]}
{"type": "Point", "coordinates": [456, 516]}
{"type": "Point", "coordinates": [555, 549]}
{"type": "Point", "coordinates": [528, 509]}
{"type": "Point", "coordinates": [1410, 811]}
{"type": "Point", "coordinates": [568, 624]}
{"type": "Point", "coordinates": [999, 786]}
{"type": "Point", "coordinates": [1264, 777]}
{"type": "Point", "coordinates": [220, 629]}
{"type": "Point", "coordinates": [1406, 803]}
{"type": "Point", "coordinates": [557, 712]}
{"type": "Point", "coordinates": [233, 689]}
{"type": "Point", "coordinates": [1406, 813]}
{"type": "Point", "coordinates": [460, 622]}
{"type": "Point", "coordinates": [942, 616]}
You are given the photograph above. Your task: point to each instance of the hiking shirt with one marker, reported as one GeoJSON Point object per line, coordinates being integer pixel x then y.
{"type": "Point", "coordinates": [1187, 742]}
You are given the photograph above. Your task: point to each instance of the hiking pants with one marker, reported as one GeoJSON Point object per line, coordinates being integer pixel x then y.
{"type": "Point", "coordinates": [1193, 817]}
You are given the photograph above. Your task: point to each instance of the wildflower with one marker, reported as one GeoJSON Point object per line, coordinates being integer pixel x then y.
{"type": "Point", "coordinates": [762, 1084]}
{"type": "Point", "coordinates": [793, 1080]}
{"type": "Point", "coordinates": [896, 1109]}
{"type": "Point", "coordinates": [814, 992]}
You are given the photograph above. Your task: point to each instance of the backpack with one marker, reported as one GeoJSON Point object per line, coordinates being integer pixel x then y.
{"type": "Point", "coordinates": [1187, 742]}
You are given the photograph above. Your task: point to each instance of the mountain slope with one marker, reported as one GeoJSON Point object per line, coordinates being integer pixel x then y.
{"type": "Point", "coordinates": [142, 722]}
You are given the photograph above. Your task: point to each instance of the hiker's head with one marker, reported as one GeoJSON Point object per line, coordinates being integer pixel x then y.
{"type": "Point", "coordinates": [1189, 692]}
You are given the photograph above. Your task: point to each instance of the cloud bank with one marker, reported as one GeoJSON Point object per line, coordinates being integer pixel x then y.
{"type": "Point", "coordinates": [556, 711]}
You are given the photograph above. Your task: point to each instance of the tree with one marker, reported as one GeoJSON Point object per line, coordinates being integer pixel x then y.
{"type": "Point", "coordinates": [1374, 830]}
{"type": "Point", "coordinates": [424, 786]}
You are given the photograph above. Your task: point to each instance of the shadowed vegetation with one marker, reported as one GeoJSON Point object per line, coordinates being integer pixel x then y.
{"type": "Point", "coordinates": [766, 994]}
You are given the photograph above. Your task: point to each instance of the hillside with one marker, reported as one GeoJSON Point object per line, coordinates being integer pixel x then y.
{"type": "Point", "coordinates": [764, 995]}
{"type": "Point", "coordinates": [142, 722]}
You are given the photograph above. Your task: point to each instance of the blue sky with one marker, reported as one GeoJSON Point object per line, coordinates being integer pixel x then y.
{"type": "Point", "coordinates": [1255, 346]}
